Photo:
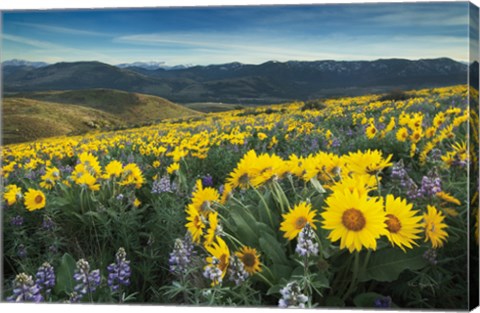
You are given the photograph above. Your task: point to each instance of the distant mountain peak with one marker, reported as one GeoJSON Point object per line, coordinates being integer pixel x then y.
{"type": "Point", "coordinates": [153, 65]}
{"type": "Point", "coordinates": [18, 62]}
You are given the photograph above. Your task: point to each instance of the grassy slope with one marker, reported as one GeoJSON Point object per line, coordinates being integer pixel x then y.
{"type": "Point", "coordinates": [44, 114]}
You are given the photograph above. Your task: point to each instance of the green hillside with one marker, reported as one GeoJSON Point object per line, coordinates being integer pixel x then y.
{"type": "Point", "coordinates": [31, 116]}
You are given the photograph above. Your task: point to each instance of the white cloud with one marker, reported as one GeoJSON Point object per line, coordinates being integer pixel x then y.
{"type": "Point", "coordinates": [61, 30]}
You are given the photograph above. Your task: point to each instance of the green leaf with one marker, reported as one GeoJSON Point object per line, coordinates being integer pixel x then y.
{"type": "Point", "coordinates": [366, 300]}
{"type": "Point", "coordinates": [245, 223]}
{"type": "Point", "coordinates": [387, 264]}
{"type": "Point", "coordinates": [274, 289]}
{"type": "Point", "coordinates": [64, 275]}
{"type": "Point", "coordinates": [280, 271]}
{"type": "Point", "coordinates": [334, 302]}
{"type": "Point", "coordinates": [272, 248]}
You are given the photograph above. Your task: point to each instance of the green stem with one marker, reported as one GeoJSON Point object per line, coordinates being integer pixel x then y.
{"type": "Point", "coordinates": [265, 206]}
{"type": "Point", "coordinates": [282, 194]}
{"type": "Point", "coordinates": [235, 240]}
{"type": "Point", "coordinates": [264, 278]}
{"type": "Point", "coordinates": [365, 263]}
{"type": "Point", "coordinates": [353, 284]}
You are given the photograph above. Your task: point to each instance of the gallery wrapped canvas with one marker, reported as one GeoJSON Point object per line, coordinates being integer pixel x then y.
{"type": "Point", "coordinates": [287, 156]}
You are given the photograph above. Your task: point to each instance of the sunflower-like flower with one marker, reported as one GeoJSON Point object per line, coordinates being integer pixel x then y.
{"type": "Point", "coordinates": [195, 224]}
{"type": "Point", "coordinates": [34, 199]}
{"type": "Point", "coordinates": [12, 194]}
{"type": "Point", "coordinates": [203, 198]}
{"type": "Point", "coordinates": [87, 180]}
{"type": "Point", "coordinates": [90, 163]}
{"type": "Point", "coordinates": [354, 219]}
{"type": "Point", "coordinates": [52, 175]}
{"type": "Point", "coordinates": [448, 197]}
{"type": "Point", "coordinates": [362, 183]}
{"type": "Point", "coordinates": [174, 167]}
{"type": "Point", "coordinates": [113, 169]}
{"type": "Point", "coordinates": [132, 175]}
{"type": "Point", "coordinates": [403, 224]}
{"type": "Point", "coordinates": [324, 166]}
{"type": "Point", "coordinates": [296, 219]}
{"type": "Point", "coordinates": [402, 134]}
{"type": "Point", "coordinates": [268, 168]}
{"type": "Point", "coordinates": [213, 228]}
{"type": "Point", "coordinates": [434, 227]}
{"type": "Point", "coordinates": [371, 131]}
{"type": "Point", "coordinates": [219, 255]}
{"type": "Point", "coordinates": [250, 259]}
{"type": "Point", "coordinates": [368, 162]}
{"type": "Point", "coordinates": [242, 175]}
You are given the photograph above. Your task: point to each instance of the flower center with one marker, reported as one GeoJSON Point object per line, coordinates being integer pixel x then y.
{"type": "Point", "coordinates": [393, 224]}
{"type": "Point", "coordinates": [248, 259]}
{"type": "Point", "coordinates": [244, 179]}
{"type": "Point", "coordinates": [197, 222]}
{"type": "Point", "coordinates": [300, 222]}
{"type": "Point", "coordinates": [223, 262]}
{"type": "Point", "coordinates": [353, 220]}
{"type": "Point", "coordinates": [38, 199]}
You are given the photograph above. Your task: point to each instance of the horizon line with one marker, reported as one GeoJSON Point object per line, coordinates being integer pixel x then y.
{"type": "Point", "coordinates": [233, 62]}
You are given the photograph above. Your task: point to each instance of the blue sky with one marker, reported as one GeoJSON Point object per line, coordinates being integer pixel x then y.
{"type": "Point", "coordinates": [255, 34]}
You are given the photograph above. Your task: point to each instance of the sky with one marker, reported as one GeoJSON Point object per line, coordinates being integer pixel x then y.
{"type": "Point", "coordinates": [246, 34]}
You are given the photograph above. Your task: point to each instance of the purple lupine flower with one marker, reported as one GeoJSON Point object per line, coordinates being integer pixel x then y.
{"type": "Point", "coordinates": [431, 185]}
{"type": "Point", "coordinates": [163, 185]}
{"type": "Point", "coordinates": [181, 255]}
{"type": "Point", "coordinates": [45, 277]}
{"type": "Point", "coordinates": [65, 170]}
{"type": "Point", "coordinates": [207, 181]}
{"type": "Point", "coordinates": [212, 272]}
{"type": "Point", "coordinates": [431, 256]}
{"type": "Point", "coordinates": [87, 281]}
{"type": "Point", "coordinates": [47, 223]}
{"type": "Point", "coordinates": [306, 245]}
{"type": "Point", "coordinates": [53, 249]}
{"type": "Point", "coordinates": [119, 272]}
{"type": "Point", "coordinates": [292, 296]}
{"type": "Point", "coordinates": [383, 302]}
{"type": "Point", "coordinates": [17, 220]}
{"type": "Point", "coordinates": [221, 189]}
{"type": "Point", "coordinates": [25, 290]}
{"type": "Point", "coordinates": [21, 251]}
{"type": "Point", "coordinates": [74, 298]}
{"type": "Point", "coordinates": [399, 173]}
{"type": "Point", "coordinates": [336, 143]}
{"type": "Point", "coordinates": [236, 271]}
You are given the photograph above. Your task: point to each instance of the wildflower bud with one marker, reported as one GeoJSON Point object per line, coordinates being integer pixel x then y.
{"type": "Point", "coordinates": [25, 290]}
{"type": "Point", "coordinates": [45, 277]}
{"type": "Point", "coordinates": [292, 296]}
{"type": "Point", "coordinates": [383, 302]}
{"type": "Point", "coordinates": [180, 257]}
{"type": "Point", "coordinates": [119, 272]}
{"type": "Point", "coordinates": [306, 245]}
{"type": "Point", "coordinates": [87, 281]}
{"type": "Point", "coordinates": [17, 220]}
{"type": "Point", "coordinates": [236, 271]}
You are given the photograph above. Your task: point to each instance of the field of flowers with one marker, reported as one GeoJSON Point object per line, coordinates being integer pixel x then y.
{"type": "Point", "coordinates": [349, 202]}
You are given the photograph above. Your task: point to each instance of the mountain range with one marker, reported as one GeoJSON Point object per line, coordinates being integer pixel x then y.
{"type": "Point", "coordinates": [239, 83]}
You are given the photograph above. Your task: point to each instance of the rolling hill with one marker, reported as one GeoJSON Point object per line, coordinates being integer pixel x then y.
{"type": "Point", "coordinates": [30, 116]}
{"type": "Point", "coordinates": [243, 83]}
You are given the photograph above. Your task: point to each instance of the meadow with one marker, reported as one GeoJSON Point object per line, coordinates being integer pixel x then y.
{"type": "Point", "coordinates": [347, 202]}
